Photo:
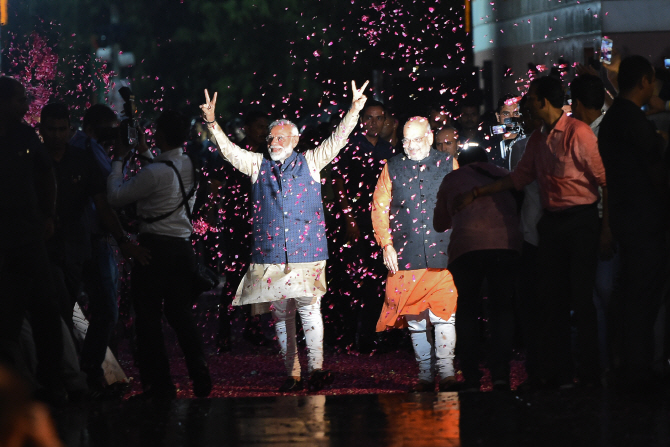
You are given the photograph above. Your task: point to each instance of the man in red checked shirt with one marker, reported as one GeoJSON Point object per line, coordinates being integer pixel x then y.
{"type": "Point", "coordinates": [563, 157]}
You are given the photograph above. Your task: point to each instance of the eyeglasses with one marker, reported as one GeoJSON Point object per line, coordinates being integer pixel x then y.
{"type": "Point", "coordinates": [408, 141]}
{"type": "Point", "coordinates": [280, 138]}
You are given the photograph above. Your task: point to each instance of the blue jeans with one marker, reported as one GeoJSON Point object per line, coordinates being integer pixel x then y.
{"type": "Point", "coordinates": [101, 276]}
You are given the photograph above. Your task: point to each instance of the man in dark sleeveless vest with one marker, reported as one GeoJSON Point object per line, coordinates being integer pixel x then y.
{"type": "Point", "coordinates": [420, 292]}
{"type": "Point", "coordinates": [290, 249]}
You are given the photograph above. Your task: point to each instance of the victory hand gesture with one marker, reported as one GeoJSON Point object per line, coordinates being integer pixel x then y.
{"type": "Point", "coordinates": [208, 108]}
{"type": "Point", "coordinates": [358, 98]}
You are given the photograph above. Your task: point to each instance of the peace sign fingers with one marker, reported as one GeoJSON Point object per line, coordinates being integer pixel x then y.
{"type": "Point", "coordinates": [209, 106]}
{"type": "Point", "coordinates": [357, 93]}
{"type": "Point", "coordinates": [210, 103]}
{"type": "Point", "coordinates": [357, 97]}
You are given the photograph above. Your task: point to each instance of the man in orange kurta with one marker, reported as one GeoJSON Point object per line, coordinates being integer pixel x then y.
{"type": "Point", "coordinates": [420, 292]}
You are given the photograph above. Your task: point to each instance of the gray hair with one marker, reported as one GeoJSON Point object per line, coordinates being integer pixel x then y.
{"type": "Point", "coordinates": [283, 122]}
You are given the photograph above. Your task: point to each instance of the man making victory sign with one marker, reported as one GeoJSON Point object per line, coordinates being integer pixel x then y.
{"type": "Point", "coordinates": [290, 249]}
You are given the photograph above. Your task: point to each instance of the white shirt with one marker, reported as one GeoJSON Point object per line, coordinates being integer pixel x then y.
{"type": "Point", "coordinates": [531, 209]}
{"type": "Point", "coordinates": [595, 125]}
{"type": "Point", "coordinates": [156, 190]}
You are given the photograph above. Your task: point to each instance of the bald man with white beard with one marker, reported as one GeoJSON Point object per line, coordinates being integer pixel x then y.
{"type": "Point", "coordinates": [420, 292]}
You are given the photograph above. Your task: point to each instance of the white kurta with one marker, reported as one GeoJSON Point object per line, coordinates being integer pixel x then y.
{"type": "Point", "coordinates": [264, 283]}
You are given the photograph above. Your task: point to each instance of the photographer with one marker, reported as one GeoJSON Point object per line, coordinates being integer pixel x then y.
{"type": "Point", "coordinates": [159, 189]}
{"type": "Point", "coordinates": [506, 132]}
{"type": "Point", "coordinates": [100, 272]}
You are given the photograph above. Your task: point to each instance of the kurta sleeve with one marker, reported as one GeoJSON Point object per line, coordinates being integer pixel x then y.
{"type": "Point", "coordinates": [381, 206]}
{"type": "Point", "coordinates": [246, 162]}
{"type": "Point", "coordinates": [328, 150]}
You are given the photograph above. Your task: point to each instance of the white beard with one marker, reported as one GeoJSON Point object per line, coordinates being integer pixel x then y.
{"type": "Point", "coordinates": [280, 156]}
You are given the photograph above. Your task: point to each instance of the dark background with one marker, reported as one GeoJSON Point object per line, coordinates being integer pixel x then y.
{"type": "Point", "coordinates": [288, 58]}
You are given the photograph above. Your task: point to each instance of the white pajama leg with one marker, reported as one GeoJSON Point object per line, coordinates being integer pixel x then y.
{"type": "Point", "coordinates": [312, 324]}
{"type": "Point", "coordinates": [445, 343]}
{"type": "Point", "coordinates": [422, 340]}
{"type": "Point", "coordinates": [284, 313]}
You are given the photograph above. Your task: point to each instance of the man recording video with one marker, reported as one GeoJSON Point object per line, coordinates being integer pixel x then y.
{"type": "Point", "coordinates": [164, 193]}
{"type": "Point", "coordinates": [507, 130]}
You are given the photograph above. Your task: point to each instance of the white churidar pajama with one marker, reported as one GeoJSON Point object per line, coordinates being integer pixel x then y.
{"type": "Point", "coordinates": [312, 323]}
{"type": "Point", "coordinates": [443, 343]}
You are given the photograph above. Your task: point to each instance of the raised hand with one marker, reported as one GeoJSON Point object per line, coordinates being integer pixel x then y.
{"type": "Point", "coordinates": [208, 108]}
{"type": "Point", "coordinates": [358, 98]}
{"type": "Point", "coordinates": [582, 70]}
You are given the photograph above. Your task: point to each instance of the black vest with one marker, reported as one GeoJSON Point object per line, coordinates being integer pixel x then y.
{"type": "Point", "coordinates": [415, 186]}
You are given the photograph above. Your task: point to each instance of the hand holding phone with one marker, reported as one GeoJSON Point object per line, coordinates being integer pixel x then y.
{"type": "Point", "coordinates": [606, 51]}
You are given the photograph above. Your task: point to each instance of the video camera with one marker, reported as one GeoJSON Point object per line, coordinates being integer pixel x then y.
{"type": "Point", "coordinates": [127, 129]}
{"type": "Point", "coordinates": [512, 125]}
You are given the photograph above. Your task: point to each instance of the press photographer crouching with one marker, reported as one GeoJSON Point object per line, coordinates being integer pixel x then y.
{"type": "Point", "coordinates": [164, 192]}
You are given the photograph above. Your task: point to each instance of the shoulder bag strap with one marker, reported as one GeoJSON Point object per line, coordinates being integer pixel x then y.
{"type": "Point", "coordinates": [185, 197]}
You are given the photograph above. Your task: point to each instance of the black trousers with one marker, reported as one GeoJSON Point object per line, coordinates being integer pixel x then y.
{"type": "Point", "coordinates": [166, 284]}
{"type": "Point", "coordinates": [636, 303]}
{"type": "Point", "coordinates": [365, 279]}
{"type": "Point", "coordinates": [238, 258]}
{"type": "Point", "coordinates": [470, 270]}
{"type": "Point", "coordinates": [28, 288]}
{"type": "Point", "coordinates": [567, 260]}
{"type": "Point", "coordinates": [526, 308]}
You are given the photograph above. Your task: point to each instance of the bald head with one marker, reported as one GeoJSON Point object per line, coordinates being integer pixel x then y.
{"type": "Point", "coordinates": [446, 140]}
{"type": "Point", "coordinates": [417, 138]}
{"type": "Point", "coordinates": [418, 122]}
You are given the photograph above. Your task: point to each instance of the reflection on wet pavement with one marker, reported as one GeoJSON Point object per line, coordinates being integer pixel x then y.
{"type": "Point", "coordinates": [594, 418]}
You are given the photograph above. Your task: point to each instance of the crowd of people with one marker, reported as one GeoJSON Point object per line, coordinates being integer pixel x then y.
{"type": "Point", "coordinates": [550, 226]}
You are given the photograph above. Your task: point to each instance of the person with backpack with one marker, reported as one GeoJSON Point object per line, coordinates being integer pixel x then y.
{"type": "Point", "coordinates": [164, 191]}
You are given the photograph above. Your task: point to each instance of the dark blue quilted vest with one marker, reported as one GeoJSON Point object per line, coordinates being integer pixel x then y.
{"type": "Point", "coordinates": [288, 214]}
{"type": "Point", "coordinates": [415, 186]}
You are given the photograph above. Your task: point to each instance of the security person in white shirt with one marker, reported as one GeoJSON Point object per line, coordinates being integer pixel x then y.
{"type": "Point", "coordinates": [167, 280]}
